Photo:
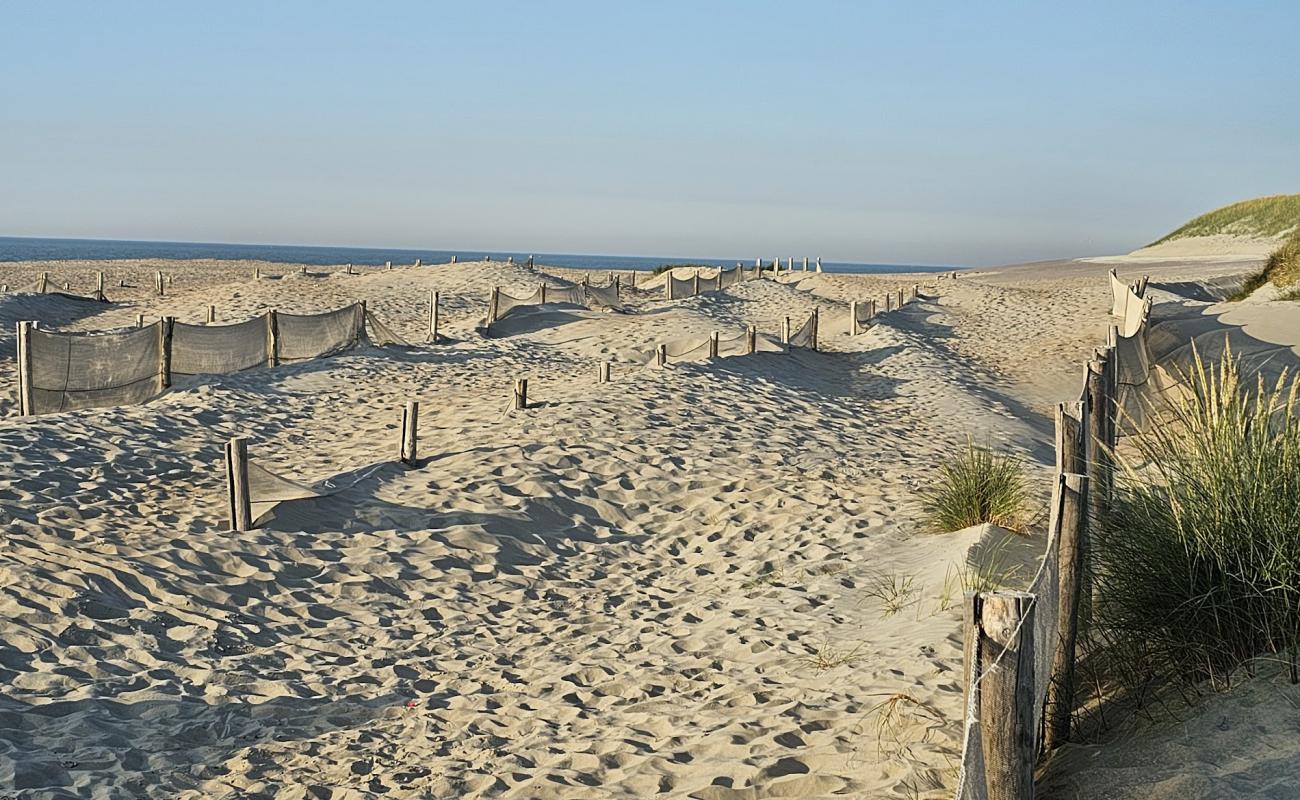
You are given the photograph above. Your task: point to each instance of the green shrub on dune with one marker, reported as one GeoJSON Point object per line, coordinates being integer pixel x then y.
{"type": "Point", "coordinates": [978, 486]}
{"type": "Point", "coordinates": [1197, 564]}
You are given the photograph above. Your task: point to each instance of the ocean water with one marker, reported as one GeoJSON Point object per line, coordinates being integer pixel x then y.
{"type": "Point", "coordinates": [30, 249]}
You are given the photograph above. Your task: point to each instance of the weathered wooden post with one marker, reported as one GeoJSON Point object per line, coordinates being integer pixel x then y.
{"type": "Point", "coordinates": [785, 331]}
{"type": "Point", "coordinates": [139, 320]}
{"type": "Point", "coordinates": [602, 374]}
{"type": "Point", "coordinates": [272, 338]}
{"type": "Point", "coordinates": [916, 291]}
{"type": "Point", "coordinates": [889, 302]}
{"type": "Point", "coordinates": [751, 339]}
{"type": "Point", "coordinates": [99, 287]}
{"type": "Point", "coordinates": [1071, 512]}
{"type": "Point", "coordinates": [521, 394]}
{"type": "Point", "coordinates": [819, 263]}
{"type": "Point", "coordinates": [530, 262]}
{"type": "Point", "coordinates": [900, 298]}
{"type": "Point", "coordinates": [668, 284]}
{"type": "Point", "coordinates": [212, 314]}
{"type": "Point", "coordinates": [713, 345]}
{"type": "Point", "coordinates": [543, 294]}
{"type": "Point", "coordinates": [816, 323]}
{"type": "Point", "coordinates": [165, 352]}
{"type": "Point", "coordinates": [433, 316]}
{"type": "Point", "coordinates": [661, 355]}
{"type": "Point", "coordinates": [67, 286]}
{"type": "Point", "coordinates": [239, 503]}
{"type": "Point", "coordinates": [45, 283]}
{"type": "Point", "coordinates": [695, 284]}
{"type": "Point", "coordinates": [410, 424]}
{"type": "Point", "coordinates": [853, 318]}
{"type": "Point", "coordinates": [257, 273]}
{"type": "Point", "coordinates": [631, 279]}
{"type": "Point", "coordinates": [26, 392]}
{"type": "Point", "coordinates": [1096, 453]}
{"type": "Point", "coordinates": [453, 259]}
{"type": "Point", "coordinates": [494, 301]}
{"type": "Point", "coordinates": [418, 262]}
{"type": "Point", "coordinates": [158, 283]}
{"type": "Point", "coordinates": [805, 263]}
{"type": "Point", "coordinates": [304, 269]}
{"type": "Point", "coordinates": [1004, 631]}
{"type": "Point", "coordinates": [510, 260]}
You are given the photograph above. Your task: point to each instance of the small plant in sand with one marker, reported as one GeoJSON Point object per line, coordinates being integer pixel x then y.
{"type": "Point", "coordinates": [829, 656]}
{"type": "Point", "coordinates": [894, 590]}
{"type": "Point", "coordinates": [1197, 563]}
{"type": "Point", "coordinates": [769, 576]}
{"type": "Point", "coordinates": [977, 486]}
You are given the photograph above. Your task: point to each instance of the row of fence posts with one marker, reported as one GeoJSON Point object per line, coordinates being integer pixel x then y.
{"type": "Point", "coordinates": [999, 625]}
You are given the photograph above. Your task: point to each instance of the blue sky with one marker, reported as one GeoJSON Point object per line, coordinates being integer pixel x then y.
{"type": "Point", "coordinates": [924, 132]}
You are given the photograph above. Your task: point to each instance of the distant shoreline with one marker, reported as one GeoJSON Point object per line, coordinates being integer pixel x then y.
{"type": "Point", "coordinates": [13, 249]}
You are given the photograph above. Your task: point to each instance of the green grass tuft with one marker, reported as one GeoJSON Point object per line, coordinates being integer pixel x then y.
{"type": "Point", "coordinates": [664, 268]}
{"type": "Point", "coordinates": [1261, 217]}
{"type": "Point", "coordinates": [1197, 563]}
{"type": "Point", "coordinates": [978, 486]}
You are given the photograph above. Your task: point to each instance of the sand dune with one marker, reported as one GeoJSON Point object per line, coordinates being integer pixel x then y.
{"type": "Point", "coordinates": [658, 586]}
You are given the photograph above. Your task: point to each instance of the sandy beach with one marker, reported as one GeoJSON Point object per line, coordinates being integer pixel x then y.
{"type": "Point", "coordinates": [672, 584]}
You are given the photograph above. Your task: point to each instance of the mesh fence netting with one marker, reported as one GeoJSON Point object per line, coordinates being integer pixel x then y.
{"type": "Point", "coordinates": [71, 371]}
{"type": "Point", "coordinates": [806, 335]}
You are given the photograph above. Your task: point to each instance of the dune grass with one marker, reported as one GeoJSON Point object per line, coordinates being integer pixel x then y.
{"type": "Point", "coordinates": [665, 267]}
{"type": "Point", "coordinates": [1282, 270]}
{"type": "Point", "coordinates": [977, 486]}
{"type": "Point", "coordinates": [1260, 217]}
{"type": "Point", "coordinates": [1197, 563]}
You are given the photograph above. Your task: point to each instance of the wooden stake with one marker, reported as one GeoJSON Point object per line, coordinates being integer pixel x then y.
{"type": "Point", "coordinates": [695, 285]}
{"type": "Point", "coordinates": [433, 316]}
{"type": "Point", "coordinates": [805, 263]}
{"type": "Point", "coordinates": [819, 263]}
{"type": "Point", "coordinates": [853, 318]}
{"type": "Point", "coordinates": [602, 375]}
{"type": "Point", "coordinates": [668, 285]}
{"type": "Point", "coordinates": [45, 282]}
{"type": "Point", "coordinates": [139, 320]}
{"type": "Point", "coordinates": [661, 355]}
{"type": "Point", "coordinates": [1072, 508]}
{"type": "Point", "coordinates": [257, 273]}
{"type": "Point", "coordinates": [453, 259]}
{"type": "Point", "coordinates": [410, 424]}
{"type": "Point", "coordinates": [785, 331]}
{"type": "Point", "coordinates": [99, 287]}
{"type": "Point", "coordinates": [751, 340]}
{"type": "Point", "coordinates": [900, 298]}
{"type": "Point", "coordinates": [817, 318]}
{"type": "Point", "coordinates": [521, 394]}
{"type": "Point", "coordinates": [1006, 708]}
{"type": "Point", "coordinates": [238, 501]}
{"type": "Point", "coordinates": [212, 314]}
{"type": "Point", "coordinates": [26, 393]}
{"type": "Point", "coordinates": [272, 338]}
{"type": "Point", "coordinates": [165, 351]}
{"type": "Point", "coordinates": [543, 294]}
{"type": "Point", "coordinates": [493, 301]}
{"type": "Point", "coordinates": [713, 344]}
{"type": "Point", "coordinates": [889, 302]}
{"type": "Point", "coordinates": [1097, 459]}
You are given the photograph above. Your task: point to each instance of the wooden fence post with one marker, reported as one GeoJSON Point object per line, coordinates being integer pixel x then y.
{"type": "Point", "coordinates": [45, 283]}
{"type": "Point", "coordinates": [257, 273]}
{"type": "Point", "coordinates": [713, 345]}
{"type": "Point", "coordinates": [819, 263]}
{"type": "Point", "coordinates": [212, 314]}
{"type": "Point", "coordinates": [493, 302]}
{"type": "Point", "coordinates": [165, 351]}
{"type": "Point", "coordinates": [453, 259]}
{"type": "Point", "coordinates": [139, 320]}
{"type": "Point", "coordinates": [1006, 714]}
{"type": "Point", "coordinates": [695, 284]}
{"type": "Point", "coordinates": [521, 394]}
{"type": "Point", "coordinates": [602, 375]}
{"type": "Point", "coordinates": [853, 318]}
{"type": "Point", "coordinates": [889, 302]}
{"type": "Point", "coordinates": [410, 424]}
{"type": "Point", "coordinates": [272, 338]}
{"type": "Point", "coordinates": [916, 291]}
{"type": "Point", "coordinates": [158, 283]}
{"type": "Point", "coordinates": [433, 316]}
{"type": "Point", "coordinates": [1097, 457]}
{"type": "Point", "coordinates": [900, 298]}
{"type": "Point", "coordinates": [1071, 511]}
{"type": "Point", "coordinates": [26, 393]}
{"type": "Point", "coordinates": [239, 502]}
{"type": "Point", "coordinates": [661, 355]}
{"type": "Point", "coordinates": [816, 323]}
{"type": "Point", "coordinates": [805, 263]}
{"type": "Point", "coordinates": [785, 331]}
{"type": "Point", "coordinates": [751, 340]}
{"type": "Point", "coordinates": [99, 287]}
{"type": "Point", "coordinates": [668, 284]}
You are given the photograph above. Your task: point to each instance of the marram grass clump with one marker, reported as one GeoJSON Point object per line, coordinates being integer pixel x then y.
{"type": "Point", "coordinates": [1197, 563]}
{"type": "Point", "coordinates": [977, 486]}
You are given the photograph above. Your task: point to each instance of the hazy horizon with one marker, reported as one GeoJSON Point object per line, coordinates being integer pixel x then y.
{"type": "Point", "coordinates": [868, 133]}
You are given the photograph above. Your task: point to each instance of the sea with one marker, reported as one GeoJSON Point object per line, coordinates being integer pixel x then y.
{"type": "Point", "coordinates": [13, 248]}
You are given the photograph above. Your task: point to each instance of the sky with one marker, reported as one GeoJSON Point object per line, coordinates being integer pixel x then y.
{"type": "Point", "coordinates": [889, 132]}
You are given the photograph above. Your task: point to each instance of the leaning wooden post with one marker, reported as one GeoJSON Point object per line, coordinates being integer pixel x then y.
{"type": "Point", "coordinates": [410, 423]}
{"type": "Point", "coordinates": [272, 338]}
{"type": "Point", "coordinates": [1005, 701]}
{"type": "Point", "coordinates": [165, 352]}
{"type": "Point", "coordinates": [26, 393]}
{"type": "Point", "coordinates": [212, 314]}
{"type": "Point", "coordinates": [816, 323]}
{"type": "Point", "coordinates": [785, 331]}
{"type": "Point", "coordinates": [602, 374]}
{"type": "Point", "coordinates": [661, 355]}
{"type": "Point", "coordinates": [1071, 510]}
{"type": "Point", "coordinates": [853, 318]}
{"type": "Point", "coordinates": [433, 316]}
{"type": "Point", "coordinates": [713, 345]}
{"type": "Point", "coordinates": [521, 394]}
{"type": "Point", "coordinates": [239, 502]}
{"type": "Point", "coordinates": [751, 340]}
{"type": "Point", "coordinates": [1097, 458]}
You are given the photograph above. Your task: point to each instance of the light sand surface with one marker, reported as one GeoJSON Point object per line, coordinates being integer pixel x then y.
{"type": "Point", "coordinates": [660, 586]}
{"type": "Point", "coordinates": [1218, 245]}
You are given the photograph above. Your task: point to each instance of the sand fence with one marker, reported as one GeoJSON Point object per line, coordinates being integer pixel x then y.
{"type": "Point", "coordinates": [67, 371]}
{"type": "Point", "coordinates": [500, 304]}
